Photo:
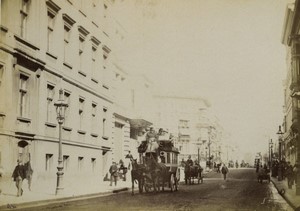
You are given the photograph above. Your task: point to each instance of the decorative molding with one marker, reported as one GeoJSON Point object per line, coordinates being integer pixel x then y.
{"type": "Point", "coordinates": [28, 44]}
{"type": "Point", "coordinates": [82, 32]}
{"type": "Point", "coordinates": [82, 73]}
{"type": "Point", "coordinates": [51, 55]}
{"type": "Point", "coordinates": [3, 28]}
{"type": "Point", "coordinates": [68, 21]}
{"type": "Point", "coordinates": [106, 49]}
{"type": "Point", "coordinates": [94, 80]}
{"type": "Point", "coordinates": [52, 7]}
{"type": "Point", "coordinates": [95, 42]}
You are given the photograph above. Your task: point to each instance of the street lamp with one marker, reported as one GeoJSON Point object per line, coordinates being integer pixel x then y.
{"type": "Point", "coordinates": [271, 154]}
{"type": "Point", "coordinates": [61, 107]}
{"type": "Point", "coordinates": [279, 133]}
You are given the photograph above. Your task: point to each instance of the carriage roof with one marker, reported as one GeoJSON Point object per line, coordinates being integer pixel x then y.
{"type": "Point", "coordinates": [164, 145]}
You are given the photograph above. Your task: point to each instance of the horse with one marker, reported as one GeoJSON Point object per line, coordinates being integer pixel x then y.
{"type": "Point", "coordinates": [192, 172]}
{"type": "Point", "coordinates": [137, 174]}
{"type": "Point", "coordinates": [156, 172]}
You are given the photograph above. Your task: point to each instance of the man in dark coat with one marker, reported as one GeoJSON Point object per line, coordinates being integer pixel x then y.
{"type": "Point", "coordinates": [113, 170]}
{"type": "Point", "coordinates": [18, 176]}
{"type": "Point", "coordinates": [224, 171]}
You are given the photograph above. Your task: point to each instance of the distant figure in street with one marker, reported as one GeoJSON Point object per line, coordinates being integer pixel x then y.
{"type": "Point", "coordinates": [224, 171]}
{"type": "Point", "coordinates": [18, 176]}
{"type": "Point", "coordinates": [113, 170]}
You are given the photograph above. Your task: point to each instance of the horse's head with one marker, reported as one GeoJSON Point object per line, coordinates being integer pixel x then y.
{"type": "Point", "coordinates": [134, 164]}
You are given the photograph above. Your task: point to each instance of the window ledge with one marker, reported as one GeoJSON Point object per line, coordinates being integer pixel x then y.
{"type": "Point", "coordinates": [105, 86]}
{"type": "Point", "coordinates": [23, 119]}
{"type": "Point", "coordinates": [3, 28]}
{"type": "Point", "coordinates": [68, 65]}
{"type": "Point", "coordinates": [105, 137]}
{"type": "Point", "coordinates": [82, 73]}
{"type": "Point", "coordinates": [81, 132]}
{"type": "Point", "coordinates": [94, 134]}
{"type": "Point", "coordinates": [95, 80]}
{"type": "Point", "coordinates": [67, 128]}
{"type": "Point", "coordinates": [2, 114]}
{"type": "Point", "coordinates": [49, 124]}
{"type": "Point", "coordinates": [51, 55]}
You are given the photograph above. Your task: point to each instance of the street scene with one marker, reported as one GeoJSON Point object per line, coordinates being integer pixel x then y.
{"type": "Point", "coordinates": [149, 105]}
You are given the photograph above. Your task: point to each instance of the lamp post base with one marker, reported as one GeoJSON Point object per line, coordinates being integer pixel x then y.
{"type": "Point", "coordinates": [59, 188]}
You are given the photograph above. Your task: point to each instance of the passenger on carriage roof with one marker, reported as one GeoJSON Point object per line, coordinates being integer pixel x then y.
{"type": "Point", "coordinates": [151, 134]}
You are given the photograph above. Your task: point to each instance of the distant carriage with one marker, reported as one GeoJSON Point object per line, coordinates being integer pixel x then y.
{"type": "Point", "coordinates": [161, 166]}
{"type": "Point", "coordinates": [192, 173]}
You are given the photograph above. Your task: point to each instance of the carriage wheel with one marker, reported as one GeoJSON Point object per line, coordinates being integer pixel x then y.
{"type": "Point", "coordinates": [172, 183]}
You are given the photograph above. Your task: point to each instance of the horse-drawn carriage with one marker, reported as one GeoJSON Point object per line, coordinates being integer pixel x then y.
{"type": "Point", "coordinates": [192, 172]}
{"type": "Point", "coordinates": [158, 168]}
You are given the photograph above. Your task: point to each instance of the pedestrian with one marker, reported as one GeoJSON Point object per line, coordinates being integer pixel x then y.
{"type": "Point", "coordinates": [295, 172]}
{"type": "Point", "coordinates": [224, 171]}
{"type": "Point", "coordinates": [18, 176]}
{"type": "Point", "coordinates": [113, 170]}
{"type": "Point", "coordinates": [290, 175]}
{"type": "Point", "coordinates": [29, 172]}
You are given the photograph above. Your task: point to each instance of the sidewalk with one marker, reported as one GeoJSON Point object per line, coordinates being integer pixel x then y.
{"type": "Point", "coordinates": [288, 194]}
{"type": "Point", "coordinates": [43, 192]}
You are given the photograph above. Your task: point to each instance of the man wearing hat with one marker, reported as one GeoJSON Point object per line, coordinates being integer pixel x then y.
{"type": "Point", "coordinates": [18, 176]}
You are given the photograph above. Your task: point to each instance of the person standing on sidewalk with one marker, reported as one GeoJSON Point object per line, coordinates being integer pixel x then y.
{"type": "Point", "coordinates": [113, 170]}
{"type": "Point", "coordinates": [18, 176]}
{"type": "Point", "coordinates": [290, 175]}
{"type": "Point", "coordinates": [224, 171]}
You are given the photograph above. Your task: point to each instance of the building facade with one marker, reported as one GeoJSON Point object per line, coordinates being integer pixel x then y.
{"type": "Point", "coordinates": [47, 46]}
{"type": "Point", "coordinates": [197, 134]}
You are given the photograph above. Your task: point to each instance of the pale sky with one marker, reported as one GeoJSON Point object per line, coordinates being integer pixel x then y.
{"type": "Point", "coordinates": [228, 51]}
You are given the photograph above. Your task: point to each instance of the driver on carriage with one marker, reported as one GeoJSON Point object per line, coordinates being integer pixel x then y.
{"type": "Point", "coordinates": [190, 161]}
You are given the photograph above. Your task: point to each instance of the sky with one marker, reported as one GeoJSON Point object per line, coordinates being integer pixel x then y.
{"type": "Point", "coordinates": [227, 51]}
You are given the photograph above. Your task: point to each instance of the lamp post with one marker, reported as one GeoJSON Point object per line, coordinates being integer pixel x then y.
{"type": "Point", "coordinates": [279, 133]}
{"type": "Point", "coordinates": [61, 106]}
{"type": "Point", "coordinates": [271, 154]}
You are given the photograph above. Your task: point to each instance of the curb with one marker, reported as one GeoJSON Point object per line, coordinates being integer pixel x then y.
{"type": "Point", "coordinates": [30, 204]}
{"type": "Point", "coordinates": [283, 195]}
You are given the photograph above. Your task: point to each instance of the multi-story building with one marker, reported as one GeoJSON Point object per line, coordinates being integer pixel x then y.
{"type": "Point", "coordinates": [291, 126]}
{"type": "Point", "coordinates": [186, 118]}
{"type": "Point", "coordinates": [46, 46]}
{"type": "Point", "coordinates": [289, 145]}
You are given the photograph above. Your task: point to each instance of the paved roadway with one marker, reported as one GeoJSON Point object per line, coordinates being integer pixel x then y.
{"type": "Point", "coordinates": [240, 191]}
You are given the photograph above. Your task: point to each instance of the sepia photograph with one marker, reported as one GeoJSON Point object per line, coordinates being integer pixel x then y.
{"type": "Point", "coordinates": [140, 105]}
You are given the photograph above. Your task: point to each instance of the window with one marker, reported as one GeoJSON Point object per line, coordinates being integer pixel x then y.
{"type": "Point", "coordinates": [23, 96]}
{"type": "Point", "coordinates": [80, 163]}
{"type": "Point", "coordinates": [67, 112]}
{"type": "Point", "coordinates": [82, 36]}
{"type": "Point", "coordinates": [95, 44]}
{"type": "Point", "coordinates": [68, 23]}
{"type": "Point", "coordinates": [104, 123]}
{"type": "Point", "coordinates": [81, 107]}
{"type": "Point", "coordinates": [66, 162]}
{"type": "Point", "coordinates": [94, 109]}
{"type": "Point", "coordinates": [93, 162]}
{"type": "Point", "coordinates": [1, 73]}
{"type": "Point", "coordinates": [53, 10]}
{"type": "Point", "coordinates": [49, 162]}
{"type": "Point", "coordinates": [24, 17]}
{"type": "Point", "coordinates": [50, 103]}
{"type": "Point", "coordinates": [183, 124]}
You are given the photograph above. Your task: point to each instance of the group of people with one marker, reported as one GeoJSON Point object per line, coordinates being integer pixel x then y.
{"type": "Point", "coordinates": [117, 170]}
